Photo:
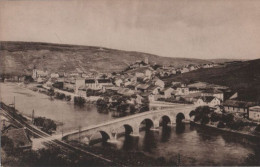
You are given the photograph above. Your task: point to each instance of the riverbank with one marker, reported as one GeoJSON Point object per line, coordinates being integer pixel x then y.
{"type": "Point", "coordinates": [225, 130]}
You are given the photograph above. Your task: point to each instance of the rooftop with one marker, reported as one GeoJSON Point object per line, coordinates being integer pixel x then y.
{"type": "Point", "coordinates": [236, 103]}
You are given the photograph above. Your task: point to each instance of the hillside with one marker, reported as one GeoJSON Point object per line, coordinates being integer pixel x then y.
{"type": "Point", "coordinates": [20, 57]}
{"type": "Point", "coordinates": [243, 77]}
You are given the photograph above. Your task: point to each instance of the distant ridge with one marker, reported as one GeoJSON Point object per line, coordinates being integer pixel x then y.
{"type": "Point", "coordinates": [20, 57]}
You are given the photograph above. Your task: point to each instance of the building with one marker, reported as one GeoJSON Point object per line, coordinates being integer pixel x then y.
{"type": "Point", "coordinates": [90, 84]}
{"type": "Point", "coordinates": [39, 73]}
{"type": "Point", "coordinates": [148, 73]}
{"type": "Point", "coordinates": [235, 106]}
{"type": "Point", "coordinates": [79, 83]}
{"type": "Point", "coordinates": [159, 83]}
{"type": "Point", "coordinates": [213, 92]}
{"type": "Point", "coordinates": [118, 82]}
{"type": "Point", "coordinates": [207, 101]}
{"type": "Point", "coordinates": [254, 113]}
{"type": "Point", "coordinates": [54, 75]}
{"type": "Point", "coordinates": [19, 138]}
{"type": "Point", "coordinates": [168, 92]}
{"type": "Point", "coordinates": [183, 90]}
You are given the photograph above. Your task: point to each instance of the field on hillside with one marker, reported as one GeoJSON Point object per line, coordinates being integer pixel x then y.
{"type": "Point", "coordinates": [243, 77]}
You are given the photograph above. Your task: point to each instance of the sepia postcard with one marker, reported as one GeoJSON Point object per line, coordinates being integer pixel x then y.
{"type": "Point", "coordinates": [129, 83]}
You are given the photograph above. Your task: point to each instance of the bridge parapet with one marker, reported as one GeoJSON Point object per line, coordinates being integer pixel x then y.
{"type": "Point", "coordinates": [131, 124]}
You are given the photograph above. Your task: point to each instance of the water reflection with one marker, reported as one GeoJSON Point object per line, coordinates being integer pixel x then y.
{"type": "Point", "coordinates": [194, 145]}
{"type": "Point", "coordinates": [180, 128]}
{"type": "Point", "coordinates": [166, 133]}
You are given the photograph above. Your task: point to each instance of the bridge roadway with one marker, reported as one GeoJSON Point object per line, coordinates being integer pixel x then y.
{"type": "Point", "coordinates": [131, 124]}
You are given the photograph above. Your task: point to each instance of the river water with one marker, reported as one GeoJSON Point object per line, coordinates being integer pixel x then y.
{"type": "Point", "coordinates": [195, 146]}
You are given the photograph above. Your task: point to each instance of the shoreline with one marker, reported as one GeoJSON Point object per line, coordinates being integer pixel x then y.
{"type": "Point", "coordinates": [225, 130]}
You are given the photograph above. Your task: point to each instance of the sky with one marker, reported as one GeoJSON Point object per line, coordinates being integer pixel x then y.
{"type": "Point", "coordinates": [203, 29]}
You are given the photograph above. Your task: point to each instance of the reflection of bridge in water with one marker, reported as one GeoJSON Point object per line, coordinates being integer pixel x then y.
{"type": "Point", "coordinates": [131, 125]}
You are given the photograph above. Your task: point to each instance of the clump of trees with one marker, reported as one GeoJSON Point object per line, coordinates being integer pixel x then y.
{"type": "Point", "coordinates": [204, 115]}
{"type": "Point", "coordinates": [60, 96]}
{"type": "Point", "coordinates": [80, 101]}
{"type": "Point", "coordinates": [47, 125]}
{"type": "Point", "coordinates": [102, 105]}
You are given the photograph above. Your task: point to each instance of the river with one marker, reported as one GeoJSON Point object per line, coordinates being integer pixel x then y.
{"type": "Point", "coordinates": [195, 146]}
{"type": "Point", "coordinates": [65, 112]}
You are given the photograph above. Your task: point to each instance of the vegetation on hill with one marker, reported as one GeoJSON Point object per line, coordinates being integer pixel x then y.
{"type": "Point", "coordinates": [20, 57]}
{"type": "Point", "coordinates": [243, 77]}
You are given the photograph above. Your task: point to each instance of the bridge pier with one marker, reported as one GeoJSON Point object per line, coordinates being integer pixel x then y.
{"type": "Point", "coordinates": [135, 132]}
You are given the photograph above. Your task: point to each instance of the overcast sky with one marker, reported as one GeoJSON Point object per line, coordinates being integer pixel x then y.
{"type": "Point", "coordinates": [172, 28]}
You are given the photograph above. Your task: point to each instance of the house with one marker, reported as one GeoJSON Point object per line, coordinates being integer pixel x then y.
{"type": "Point", "coordinates": [69, 84]}
{"type": "Point", "coordinates": [176, 83]}
{"type": "Point", "coordinates": [183, 90]}
{"type": "Point", "coordinates": [118, 82]}
{"type": "Point", "coordinates": [54, 75]}
{"type": "Point", "coordinates": [82, 91]}
{"type": "Point", "coordinates": [139, 74]}
{"type": "Point", "coordinates": [142, 87]}
{"type": "Point", "coordinates": [159, 83]}
{"type": "Point", "coordinates": [254, 113]}
{"type": "Point", "coordinates": [191, 68]}
{"type": "Point", "coordinates": [235, 106]}
{"type": "Point", "coordinates": [139, 99]}
{"type": "Point", "coordinates": [125, 91]}
{"type": "Point", "coordinates": [155, 89]}
{"type": "Point", "coordinates": [168, 92]}
{"type": "Point", "coordinates": [79, 83]}
{"type": "Point", "coordinates": [148, 73]}
{"type": "Point", "coordinates": [207, 101]}
{"type": "Point", "coordinates": [19, 138]}
{"type": "Point", "coordinates": [39, 73]}
{"type": "Point", "coordinates": [103, 82]}
{"type": "Point", "coordinates": [194, 90]}
{"type": "Point", "coordinates": [173, 72]}
{"type": "Point", "coordinates": [184, 70]}
{"type": "Point", "coordinates": [213, 92]}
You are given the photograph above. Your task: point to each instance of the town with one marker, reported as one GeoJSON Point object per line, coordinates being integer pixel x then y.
{"type": "Point", "coordinates": [134, 90]}
{"type": "Point", "coordinates": [129, 83]}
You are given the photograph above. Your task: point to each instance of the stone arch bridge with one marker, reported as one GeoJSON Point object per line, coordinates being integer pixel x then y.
{"type": "Point", "coordinates": [131, 124]}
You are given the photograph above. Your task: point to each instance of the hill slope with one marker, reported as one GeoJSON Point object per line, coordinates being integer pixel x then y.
{"type": "Point", "coordinates": [18, 56]}
{"type": "Point", "coordinates": [243, 77]}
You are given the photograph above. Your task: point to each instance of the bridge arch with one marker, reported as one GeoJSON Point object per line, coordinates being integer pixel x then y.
{"type": "Point", "coordinates": [179, 117]}
{"type": "Point", "coordinates": [100, 135]}
{"type": "Point", "coordinates": [146, 124]}
{"type": "Point", "coordinates": [164, 120]}
{"type": "Point", "coordinates": [125, 129]}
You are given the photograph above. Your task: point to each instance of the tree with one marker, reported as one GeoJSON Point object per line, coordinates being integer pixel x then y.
{"type": "Point", "coordinates": [7, 144]}
{"type": "Point", "coordinates": [102, 105]}
{"type": "Point", "coordinates": [132, 109]}
{"type": "Point", "coordinates": [192, 113]}
{"type": "Point", "coordinates": [215, 117]}
{"type": "Point", "coordinates": [79, 101]}
{"type": "Point", "coordinates": [228, 118]}
{"type": "Point", "coordinates": [257, 129]}
{"type": "Point", "coordinates": [204, 120]}
{"type": "Point", "coordinates": [221, 124]}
